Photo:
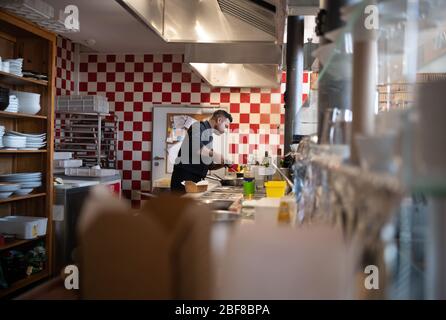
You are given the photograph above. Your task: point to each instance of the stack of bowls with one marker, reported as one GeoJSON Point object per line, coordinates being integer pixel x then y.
{"type": "Point", "coordinates": [2, 133]}
{"type": "Point", "coordinates": [7, 189]}
{"type": "Point", "coordinates": [27, 181]}
{"type": "Point", "coordinates": [28, 102]}
{"type": "Point", "coordinates": [13, 104]}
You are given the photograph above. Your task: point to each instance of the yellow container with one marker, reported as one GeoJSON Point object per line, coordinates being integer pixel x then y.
{"type": "Point", "coordinates": [275, 189]}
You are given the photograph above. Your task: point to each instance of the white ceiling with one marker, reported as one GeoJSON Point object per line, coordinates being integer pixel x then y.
{"type": "Point", "coordinates": [113, 29]}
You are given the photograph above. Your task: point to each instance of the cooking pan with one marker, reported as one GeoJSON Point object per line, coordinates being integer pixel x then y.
{"type": "Point", "coordinates": [235, 182]}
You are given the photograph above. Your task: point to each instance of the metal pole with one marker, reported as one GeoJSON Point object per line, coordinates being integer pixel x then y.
{"type": "Point", "coordinates": [295, 64]}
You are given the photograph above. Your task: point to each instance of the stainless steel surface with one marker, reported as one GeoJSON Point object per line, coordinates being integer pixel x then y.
{"type": "Point", "coordinates": [193, 21]}
{"type": "Point", "coordinates": [239, 75]}
{"type": "Point", "coordinates": [293, 97]}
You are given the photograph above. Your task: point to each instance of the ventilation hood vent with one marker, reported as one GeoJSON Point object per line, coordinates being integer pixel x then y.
{"type": "Point", "coordinates": [258, 13]}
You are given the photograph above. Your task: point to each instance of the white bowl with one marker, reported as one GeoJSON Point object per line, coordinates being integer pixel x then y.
{"type": "Point", "coordinates": [4, 195]}
{"type": "Point", "coordinates": [22, 192]}
{"type": "Point", "coordinates": [29, 108]}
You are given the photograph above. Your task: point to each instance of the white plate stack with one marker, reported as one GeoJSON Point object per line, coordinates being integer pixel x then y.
{"type": "Point", "coordinates": [2, 133]}
{"type": "Point", "coordinates": [13, 104]}
{"type": "Point", "coordinates": [14, 142]}
{"type": "Point", "coordinates": [27, 181]}
{"type": "Point", "coordinates": [32, 141]}
{"type": "Point", "coordinates": [15, 66]}
{"type": "Point", "coordinates": [28, 102]}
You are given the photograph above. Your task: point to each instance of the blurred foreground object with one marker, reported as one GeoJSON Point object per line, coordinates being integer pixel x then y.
{"type": "Point", "coordinates": [158, 252]}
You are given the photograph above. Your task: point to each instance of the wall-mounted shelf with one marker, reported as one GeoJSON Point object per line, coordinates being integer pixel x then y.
{"type": "Point", "coordinates": [9, 78]}
{"type": "Point", "coordinates": [17, 115]}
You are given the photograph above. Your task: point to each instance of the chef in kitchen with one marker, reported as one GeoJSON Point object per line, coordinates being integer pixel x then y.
{"type": "Point", "coordinates": [196, 155]}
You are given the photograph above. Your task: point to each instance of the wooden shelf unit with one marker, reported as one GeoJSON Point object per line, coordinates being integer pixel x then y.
{"type": "Point", "coordinates": [22, 39]}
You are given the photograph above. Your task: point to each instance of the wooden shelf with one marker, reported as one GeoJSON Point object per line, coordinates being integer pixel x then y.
{"type": "Point", "coordinates": [23, 151]}
{"type": "Point", "coordinates": [17, 115]}
{"type": "Point", "coordinates": [16, 243]}
{"type": "Point", "coordinates": [9, 78]}
{"type": "Point", "coordinates": [24, 282]}
{"type": "Point", "coordinates": [18, 198]}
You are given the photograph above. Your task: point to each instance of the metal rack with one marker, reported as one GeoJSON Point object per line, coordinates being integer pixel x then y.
{"type": "Point", "coordinates": [91, 137]}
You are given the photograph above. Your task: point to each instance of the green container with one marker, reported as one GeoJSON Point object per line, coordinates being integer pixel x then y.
{"type": "Point", "coordinates": [249, 187]}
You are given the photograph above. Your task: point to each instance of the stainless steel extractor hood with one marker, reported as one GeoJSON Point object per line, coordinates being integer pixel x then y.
{"type": "Point", "coordinates": [236, 65]}
{"type": "Point", "coordinates": [209, 21]}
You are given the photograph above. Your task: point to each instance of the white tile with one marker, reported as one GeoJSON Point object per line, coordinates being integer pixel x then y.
{"type": "Point", "coordinates": [176, 97]}
{"type": "Point", "coordinates": [128, 126]}
{"type": "Point", "coordinates": [235, 97]}
{"type": "Point", "coordinates": [137, 136]}
{"type": "Point", "coordinates": [137, 116]}
{"type": "Point", "coordinates": [119, 77]}
{"type": "Point", "coordinates": [157, 77]}
{"type": "Point", "coordinates": [126, 184]}
{"type": "Point", "coordinates": [119, 96]}
{"type": "Point", "coordinates": [254, 118]}
{"type": "Point", "coordinates": [167, 87]}
{"type": "Point", "coordinates": [127, 165]}
{"type": "Point", "coordinates": [147, 87]}
{"type": "Point", "coordinates": [128, 86]}
{"type": "Point", "coordinates": [176, 77]}
{"type": "Point", "coordinates": [265, 108]}
{"type": "Point", "coordinates": [157, 97]}
{"type": "Point", "coordinates": [129, 67]}
{"type": "Point", "coordinates": [110, 86]}
{"type": "Point", "coordinates": [128, 106]}
{"type": "Point", "coordinates": [275, 97]}
{"type": "Point", "coordinates": [148, 67]}
{"type": "Point", "coordinates": [137, 155]}
{"type": "Point", "coordinates": [167, 67]}
{"type": "Point", "coordinates": [186, 87]}
{"type": "Point", "coordinates": [244, 108]}
{"type": "Point", "coordinates": [255, 97]}
{"type": "Point", "coordinates": [136, 175]}
{"type": "Point", "coordinates": [137, 96]}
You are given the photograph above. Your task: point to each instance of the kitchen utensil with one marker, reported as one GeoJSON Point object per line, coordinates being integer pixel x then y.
{"type": "Point", "coordinates": [230, 182]}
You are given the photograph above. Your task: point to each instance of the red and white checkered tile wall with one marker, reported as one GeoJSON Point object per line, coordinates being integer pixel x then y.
{"type": "Point", "coordinates": [64, 66]}
{"type": "Point", "coordinates": [133, 84]}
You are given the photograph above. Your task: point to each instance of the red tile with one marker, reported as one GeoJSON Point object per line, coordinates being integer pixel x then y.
{"type": "Point", "coordinates": [225, 97]}
{"type": "Point", "coordinates": [83, 67]}
{"type": "Point", "coordinates": [139, 67]}
{"type": "Point", "coordinates": [129, 76]}
{"type": "Point", "coordinates": [138, 86]}
{"type": "Point", "coordinates": [305, 77]}
{"type": "Point", "coordinates": [83, 86]}
{"type": "Point", "coordinates": [101, 86]}
{"type": "Point", "coordinates": [128, 116]}
{"type": "Point", "coordinates": [233, 148]}
{"type": "Point", "coordinates": [136, 165]}
{"type": "Point", "coordinates": [264, 118]}
{"type": "Point", "coordinates": [147, 97]}
{"type": "Point", "coordinates": [264, 139]}
{"type": "Point", "coordinates": [92, 77]}
{"type": "Point", "coordinates": [110, 76]}
{"type": "Point", "coordinates": [111, 58]}
{"type": "Point", "coordinates": [92, 58]}
{"type": "Point", "coordinates": [127, 155]}
{"type": "Point", "coordinates": [127, 174]}
{"type": "Point", "coordinates": [137, 126]}
{"type": "Point", "coordinates": [148, 77]}
{"type": "Point", "coordinates": [120, 67]}
{"type": "Point", "coordinates": [176, 87]}
{"type": "Point", "coordinates": [157, 67]}
{"type": "Point", "coordinates": [234, 90]}
{"type": "Point", "coordinates": [283, 77]}
{"type": "Point", "coordinates": [244, 98]}
{"type": "Point", "coordinates": [234, 127]}
{"type": "Point", "coordinates": [145, 155]}
{"type": "Point", "coordinates": [195, 87]}
{"type": "Point", "coordinates": [176, 67]}
{"type": "Point", "coordinates": [304, 97]}
{"type": "Point", "coordinates": [252, 148]}
{"type": "Point", "coordinates": [167, 97]}
{"type": "Point", "coordinates": [128, 96]}
{"type": "Point", "coordinates": [265, 98]}
{"type": "Point", "coordinates": [137, 145]}
{"type": "Point", "coordinates": [148, 58]}
{"type": "Point", "coordinates": [275, 108]}
{"type": "Point", "coordinates": [255, 108]}
{"type": "Point", "coordinates": [145, 175]}
{"type": "Point", "coordinates": [167, 58]}
{"type": "Point", "coordinates": [167, 77]}
{"type": "Point", "coordinates": [243, 139]}
{"type": "Point", "coordinates": [129, 58]}
{"type": "Point", "coordinates": [147, 116]}
{"type": "Point", "coordinates": [102, 67]}
{"type": "Point", "coordinates": [119, 86]}
{"type": "Point", "coordinates": [255, 90]}
{"type": "Point", "coordinates": [185, 97]}
{"type": "Point", "coordinates": [128, 136]}
{"type": "Point", "coordinates": [234, 108]}
{"type": "Point", "coordinates": [136, 185]}
{"type": "Point", "coordinates": [119, 106]}
{"type": "Point", "coordinates": [244, 118]}
{"type": "Point", "coordinates": [254, 128]}
{"type": "Point", "coordinates": [186, 77]}
{"type": "Point", "coordinates": [205, 97]}
{"type": "Point", "coordinates": [110, 96]}
{"type": "Point", "coordinates": [157, 87]}
{"type": "Point", "coordinates": [137, 106]}
{"type": "Point", "coordinates": [147, 136]}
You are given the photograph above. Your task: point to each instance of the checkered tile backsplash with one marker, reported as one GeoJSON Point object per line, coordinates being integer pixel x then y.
{"type": "Point", "coordinates": [64, 67]}
{"type": "Point", "coordinates": [134, 83]}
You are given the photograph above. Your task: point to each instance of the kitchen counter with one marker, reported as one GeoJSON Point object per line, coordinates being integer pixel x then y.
{"type": "Point", "coordinates": [71, 181]}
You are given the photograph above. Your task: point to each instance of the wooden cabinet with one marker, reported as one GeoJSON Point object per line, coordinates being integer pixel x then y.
{"type": "Point", "coordinates": [22, 39]}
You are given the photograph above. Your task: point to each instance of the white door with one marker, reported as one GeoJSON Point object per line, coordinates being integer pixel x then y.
{"type": "Point", "coordinates": [161, 170]}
